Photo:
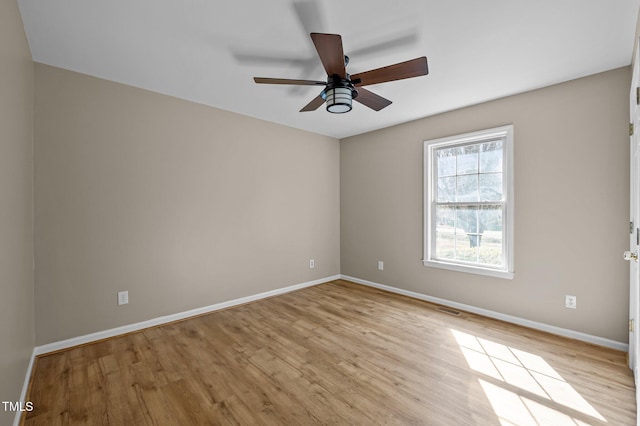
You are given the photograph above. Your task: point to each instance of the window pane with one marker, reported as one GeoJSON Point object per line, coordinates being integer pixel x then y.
{"type": "Point", "coordinates": [467, 219]}
{"type": "Point", "coordinates": [464, 250]}
{"type": "Point", "coordinates": [467, 234]}
{"type": "Point", "coordinates": [445, 233]}
{"type": "Point", "coordinates": [490, 187]}
{"type": "Point", "coordinates": [467, 159]}
{"type": "Point", "coordinates": [447, 162]}
{"type": "Point", "coordinates": [470, 234]}
{"type": "Point", "coordinates": [490, 245]}
{"type": "Point", "coordinates": [446, 189]}
{"type": "Point", "coordinates": [491, 157]}
{"type": "Point", "coordinates": [467, 188]}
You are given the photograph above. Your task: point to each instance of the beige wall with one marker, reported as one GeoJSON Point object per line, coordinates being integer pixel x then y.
{"type": "Point", "coordinates": [571, 205]}
{"type": "Point", "coordinates": [16, 230]}
{"type": "Point", "coordinates": [635, 43]}
{"type": "Point", "coordinates": [180, 204]}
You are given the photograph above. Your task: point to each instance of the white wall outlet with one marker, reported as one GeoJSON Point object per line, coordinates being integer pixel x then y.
{"type": "Point", "coordinates": [570, 301]}
{"type": "Point", "coordinates": [312, 263]}
{"type": "Point", "coordinates": [123, 298]}
{"type": "Point", "coordinates": [380, 265]}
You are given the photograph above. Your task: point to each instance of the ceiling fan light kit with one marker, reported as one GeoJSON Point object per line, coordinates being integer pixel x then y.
{"type": "Point", "coordinates": [341, 88]}
{"type": "Point", "coordinates": [339, 94]}
{"type": "Point", "coordinates": [338, 99]}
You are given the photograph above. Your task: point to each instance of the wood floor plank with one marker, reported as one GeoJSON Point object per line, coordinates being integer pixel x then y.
{"type": "Point", "coordinates": [336, 353]}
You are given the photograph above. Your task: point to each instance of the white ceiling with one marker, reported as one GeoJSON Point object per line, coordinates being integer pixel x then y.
{"type": "Point", "coordinates": [208, 51]}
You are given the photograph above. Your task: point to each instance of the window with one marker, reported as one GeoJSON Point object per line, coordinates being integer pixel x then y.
{"type": "Point", "coordinates": [468, 208]}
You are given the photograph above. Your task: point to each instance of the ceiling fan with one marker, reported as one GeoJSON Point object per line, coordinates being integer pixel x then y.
{"type": "Point", "coordinates": [341, 88]}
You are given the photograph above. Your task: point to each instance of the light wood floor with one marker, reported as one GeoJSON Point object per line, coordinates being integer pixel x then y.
{"type": "Point", "coordinates": [336, 353]}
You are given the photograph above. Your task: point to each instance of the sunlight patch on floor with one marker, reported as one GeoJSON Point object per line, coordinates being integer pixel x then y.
{"type": "Point", "coordinates": [522, 387]}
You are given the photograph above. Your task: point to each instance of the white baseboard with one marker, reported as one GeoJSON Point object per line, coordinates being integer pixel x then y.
{"type": "Point", "coordinates": [601, 341]}
{"type": "Point", "coordinates": [25, 386]}
{"type": "Point", "coordinates": [87, 338]}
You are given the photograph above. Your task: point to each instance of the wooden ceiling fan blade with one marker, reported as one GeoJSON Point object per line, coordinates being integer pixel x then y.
{"type": "Point", "coordinates": [408, 69]}
{"type": "Point", "coordinates": [329, 47]}
{"type": "Point", "coordinates": [314, 104]}
{"type": "Point", "coordinates": [265, 80]}
{"type": "Point", "coordinates": [370, 99]}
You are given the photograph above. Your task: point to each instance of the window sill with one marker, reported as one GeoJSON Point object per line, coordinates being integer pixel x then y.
{"type": "Point", "coordinates": [469, 269]}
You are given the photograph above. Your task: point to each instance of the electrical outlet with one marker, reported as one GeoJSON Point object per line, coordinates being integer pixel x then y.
{"type": "Point", "coordinates": [380, 265]}
{"type": "Point", "coordinates": [570, 301]}
{"type": "Point", "coordinates": [123, 298]}
{"type": "Point", "coordinates": [312, 263]}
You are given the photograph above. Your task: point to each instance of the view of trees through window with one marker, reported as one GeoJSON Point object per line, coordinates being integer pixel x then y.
{"type": "Point", "coordinates": [469, 203]}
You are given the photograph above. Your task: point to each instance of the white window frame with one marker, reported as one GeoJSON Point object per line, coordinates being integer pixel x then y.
{"type": "Point", "coordinates": [430, 147]}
